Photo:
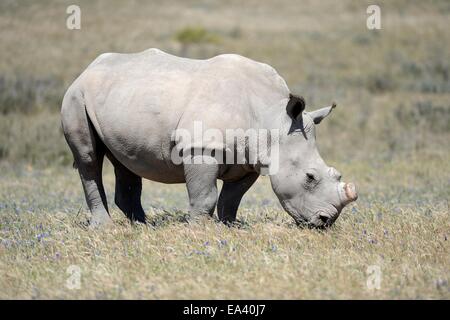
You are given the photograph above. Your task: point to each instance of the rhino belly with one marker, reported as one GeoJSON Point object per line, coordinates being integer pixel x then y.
{"type": "Point", "coordinates": [148, 158]}
{"type": "Point", "coordinates": [139, 137]}
{"type": "Point", "coordinates": [149, 165]}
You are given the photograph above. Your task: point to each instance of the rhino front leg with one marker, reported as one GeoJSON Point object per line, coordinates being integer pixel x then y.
{"type": "Point", "coordinates": [231, 195]}
{"type": "Point", "coordinates": [201, 177]}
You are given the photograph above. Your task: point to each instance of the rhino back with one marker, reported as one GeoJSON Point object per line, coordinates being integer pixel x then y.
{"type": "Point", "coordinates": [136, 101]}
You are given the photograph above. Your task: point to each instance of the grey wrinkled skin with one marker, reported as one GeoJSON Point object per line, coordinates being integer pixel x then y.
{"type": "Point", "coordinates": [127, 106]}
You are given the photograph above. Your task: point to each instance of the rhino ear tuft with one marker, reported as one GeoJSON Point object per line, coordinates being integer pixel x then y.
{"type": "Point", "coordinates": [320, 114]}
{"type": "Point", "coordinates": [295, 107]}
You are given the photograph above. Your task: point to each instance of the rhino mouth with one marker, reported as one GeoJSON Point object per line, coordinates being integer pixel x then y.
{"type": "Point", "coordinates": [313, 223]}
{"type": "Point", "coordinates": [320, 219]}
{"type": "Point", "coordinates": [323, 219]}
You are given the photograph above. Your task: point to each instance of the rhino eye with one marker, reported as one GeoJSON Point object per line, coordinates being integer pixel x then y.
{"type": "Point", "coordinates": [311, 181]}
{"type": "Point", "coordinates": [310, 177]}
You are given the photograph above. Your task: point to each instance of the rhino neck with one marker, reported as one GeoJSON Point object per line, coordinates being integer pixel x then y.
{"type": "Point", "coordinates": [270, 116]}
{"type": "Point", "coordinates": [272, 121]}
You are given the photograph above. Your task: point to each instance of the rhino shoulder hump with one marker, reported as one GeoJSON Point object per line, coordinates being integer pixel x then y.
{"type": "Point", "coordinates": [102, 59]}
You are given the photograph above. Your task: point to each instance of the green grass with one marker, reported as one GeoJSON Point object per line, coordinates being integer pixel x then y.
{"type": "Point", "coordinates": [390, 135]}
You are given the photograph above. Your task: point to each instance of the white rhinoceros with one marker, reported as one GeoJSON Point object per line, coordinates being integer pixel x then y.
{"type": "Point", "coordinates": [128, 107]}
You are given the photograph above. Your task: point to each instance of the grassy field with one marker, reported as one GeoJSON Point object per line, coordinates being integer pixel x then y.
{"type": "Point", "coordinates": [390, 135]}
{"type": "Point", "coordinates": [400, 224]}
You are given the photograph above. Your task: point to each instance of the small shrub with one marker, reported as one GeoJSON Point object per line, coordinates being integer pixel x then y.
{"type": "Point", "coordinates": [425, 114]}
{"type": "Point", "coordinates": [431, 76]}
{"type": "Point", "coordinates": [364, 39]}
{"type": "Point", "coordinates": [380, 83]}
{"type": "Point", "coordinates": [24, 94]}
{"type": "Point", "coordinates": [195, 35]}
{"type": "Point", "coordinates": [36, 139]}
{"type": "Point", "coordinates": [196, 42]}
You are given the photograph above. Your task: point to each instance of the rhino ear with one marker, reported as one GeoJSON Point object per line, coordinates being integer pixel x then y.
{"type": "Point", "coordinates": [295, 107]}
{"type": "Point", "coordinates": [320, 114]}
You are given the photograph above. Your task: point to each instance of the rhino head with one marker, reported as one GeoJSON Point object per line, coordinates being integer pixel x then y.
{"type": "Point", "coordinates": [308, 189]}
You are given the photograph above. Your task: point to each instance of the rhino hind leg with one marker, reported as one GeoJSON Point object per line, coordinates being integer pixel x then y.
{"type": "Point", "coordinates": [91, 178]}
{"type": "Point", "coordinates": [231, 195]}
{"type": "Point", "coordinates": [88, 152]}
{"type": "Point", "coordinates": [128, 191]}
{"type": "Point", "coordinates": [201, 183]}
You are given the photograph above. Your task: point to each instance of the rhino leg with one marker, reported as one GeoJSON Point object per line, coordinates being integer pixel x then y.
{"type": "Point", "coordinates": [128, 192]}
{"type": "Point", "coordinates": [231, 195]}
{"type": "Point", "coordinates": [88, 152]}
{"type": "Point", "coordinates": [201, 186]}
{"type": "Point", "coordinates": [91, 179]}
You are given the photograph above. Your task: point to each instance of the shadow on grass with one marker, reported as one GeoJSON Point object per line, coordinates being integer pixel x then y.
{"type": "Point", "coordinates": [157, 217]}
{"type": "Point", "coordinates": [161, 217]}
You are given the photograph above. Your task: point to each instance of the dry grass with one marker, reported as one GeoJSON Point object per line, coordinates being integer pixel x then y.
{"type": "Point", "coordinates": [390, 135]}
{"type": "Point", "coordinates": [401, 226]}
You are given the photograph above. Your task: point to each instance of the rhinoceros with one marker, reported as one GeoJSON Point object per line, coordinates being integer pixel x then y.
{"type": "Point", "coordinates": [128, 106]}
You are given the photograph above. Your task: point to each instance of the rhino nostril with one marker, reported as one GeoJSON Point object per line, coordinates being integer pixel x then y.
{"type": "Point", "coordinates": [324, 217]}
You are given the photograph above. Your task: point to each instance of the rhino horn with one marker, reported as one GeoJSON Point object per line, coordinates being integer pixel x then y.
{"type": "Point", "coordinates": [347, 193]}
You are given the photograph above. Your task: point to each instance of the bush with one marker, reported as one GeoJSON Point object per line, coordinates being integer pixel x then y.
{"type": "Point", "coordinates": [431, 76]}
{"type": "Point", "coordinates": [380, 83]}
{"type": "Point", "coordinates": [435, 118]}
{"type": "Point", "coordinates": [34, 139]}
{"type": "Point", "coordinates": [25, 94]}
{"type": "Point", "coordinates": [195, 35]}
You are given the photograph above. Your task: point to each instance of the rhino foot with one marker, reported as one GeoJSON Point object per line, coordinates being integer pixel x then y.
{"type": "Point", "coordinates": [100, 222]}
